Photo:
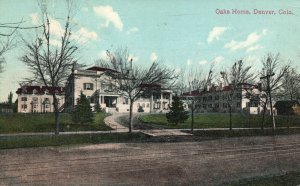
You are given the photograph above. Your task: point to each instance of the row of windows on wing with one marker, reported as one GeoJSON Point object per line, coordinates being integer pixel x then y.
{"type": "Point", "coordinates": [217, 97]}
{"type": "Point", "coordinates": [35, 100]}
{"type": "Point", "coordinates": [225, 105]}
{"type": "Point", "coordinates": [24, 91]}
{"type": "Point", "coordinates": [90, 86]}
{"type": "Point", "coordinates": [35, 106]}
{"type": "Point", "coordinates": [216, 105]}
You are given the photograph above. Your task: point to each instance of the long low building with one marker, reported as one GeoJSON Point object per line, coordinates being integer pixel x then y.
{"type": "Point", "coordinates": [246, 98]}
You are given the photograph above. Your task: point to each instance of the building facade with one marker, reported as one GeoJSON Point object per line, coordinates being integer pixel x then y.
{"type": "Point", "coordinates": [246, 98]}
{"type": "Point", "coordinates": [98, 86]}
{"type": "Point", "coordinates": [38, 99]}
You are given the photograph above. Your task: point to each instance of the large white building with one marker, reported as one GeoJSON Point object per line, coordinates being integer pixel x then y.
{"type": "Point", "coordinates": [247, 98]}
{"type": "Point", "coordinates": [39, 99]}
{"type": "Point", "coordinates": [100, 87]}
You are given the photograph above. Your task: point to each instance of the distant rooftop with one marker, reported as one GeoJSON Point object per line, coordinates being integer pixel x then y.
{"type": "Point", "coordinates": [28, 89]}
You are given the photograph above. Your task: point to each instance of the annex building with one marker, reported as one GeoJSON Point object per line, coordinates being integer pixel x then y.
{"type": "Point", "coordinates": [246, 98]}
{"type": "Point", "coordinates": [39, 98]}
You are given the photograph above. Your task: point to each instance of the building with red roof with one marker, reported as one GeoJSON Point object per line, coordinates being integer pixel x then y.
{"type": "Point", "coordinates": [245, 98]}
{"type": "Point", "coordinates": [33, 98]}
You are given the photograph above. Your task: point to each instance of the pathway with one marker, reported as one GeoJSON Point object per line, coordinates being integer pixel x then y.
{"type": "Point", "coordinates": [111, 122]}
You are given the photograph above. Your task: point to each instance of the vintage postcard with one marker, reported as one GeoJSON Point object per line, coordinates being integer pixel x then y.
{"type": "Point", "coordinates": [149, 92]}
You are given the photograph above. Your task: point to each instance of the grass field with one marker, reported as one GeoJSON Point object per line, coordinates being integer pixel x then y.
{"type": "Point", "coordinates": [291, 178]}
{"type": "Point", "coordinates": [15, 123]}
{"type": "Point", "coordinates": [220, 120]}
{"type": "Point", "coordinates": [58, 140]}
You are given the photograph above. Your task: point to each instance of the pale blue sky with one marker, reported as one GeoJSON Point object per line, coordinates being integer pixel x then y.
{"type": "Point", "coordinates": [182, 33]}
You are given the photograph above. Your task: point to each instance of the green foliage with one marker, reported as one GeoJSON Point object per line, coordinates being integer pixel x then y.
{"type": "Point", "coordinates": [15, 106]}
{"type": "Point", "coordinates": [10, 97]}
{"type": "Point", "coordinates": [97, 107]}
{"type": "Point", "coordinates": [83, 111]}
{"type": "Point", "coordinates": [177, 113]}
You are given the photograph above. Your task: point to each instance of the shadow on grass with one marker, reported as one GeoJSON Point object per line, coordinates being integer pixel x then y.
{"type": "Point", "coordinates": [245, 132]}
{"type": "Point", "coordinates": [58, 140]}
{"type": "Point", "coordinates": [291, 178]}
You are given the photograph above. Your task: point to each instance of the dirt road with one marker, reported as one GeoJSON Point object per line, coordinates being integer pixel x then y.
{"type": "Point", "coordinates": [195, 163]}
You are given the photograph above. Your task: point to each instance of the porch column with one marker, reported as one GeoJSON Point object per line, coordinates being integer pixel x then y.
{"type": "Point", "coordinates": [151, 102]}
{"type": "Point", "coordinates": [161, 100]}
{"type": "Point", "coordinates": [170, 101]}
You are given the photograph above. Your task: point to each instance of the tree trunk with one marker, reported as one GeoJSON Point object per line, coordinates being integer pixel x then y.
{"type": "Point", "coordinates": [192, 124]}
{"type": "Point", "coordinates": [130, 116]}
{"type": "Point", "coordinates": [263, 118]}
{"type": "Point", "coordinates": [56, 114]}
{"type": "Point", "coordinates": [290, 112]}
{"type": "Point", "coordinates": [230, 118]}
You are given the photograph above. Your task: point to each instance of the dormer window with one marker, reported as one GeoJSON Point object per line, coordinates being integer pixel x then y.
{"type": "Point", "coordinates": [35, 91]}
{"type": "Point", "coordinates": [88, 86]}
{"type": "Point", "coordinates": [35, 100]}
{"type": "Point", "coordinates": [46, 91]}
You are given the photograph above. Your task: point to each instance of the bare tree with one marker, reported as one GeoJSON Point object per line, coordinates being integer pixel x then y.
{"type": "Point", "coordinates": [7, 36]}
{"type": "Point", "coordinates": [131, 77]}
{"type": "Point", "coordinates": [238, 74]}
{"type": "Point", "coordinates": [290, 88]}
{"type": "Point", "coordinates": [50, 65]}
{"type": "Point", "coordinates": [192, 83]}
{"type": "Point", "coordinates": [272, 67]}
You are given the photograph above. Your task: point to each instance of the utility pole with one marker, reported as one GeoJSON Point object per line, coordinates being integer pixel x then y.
{"type": "Point", "coordinates": [270, 96]}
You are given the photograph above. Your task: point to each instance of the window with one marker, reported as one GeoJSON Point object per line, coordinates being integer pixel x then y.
{"type": "Point", "coordinates": [148, 105]}
{"type": "Point", "coordinates": [143, 105]}
{"type": "Point", "coordinates": [88, 86]}
{"type": "Point", "coordinates": [24, 106]}
{"type": "Point", "coordinates": [217, 97]}
{"type": "Point", "coordinates": [35, 99]}
{"type": "Point", "coordinates": [157, 105]}
{"type": "Point", "coordinates": [46, 106]}
{"type": "Point", "coordinates": [46, 101]}
{"type": "Point", "coordinates": [24, 98]}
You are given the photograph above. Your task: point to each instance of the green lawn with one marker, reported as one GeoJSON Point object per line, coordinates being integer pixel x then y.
{"type": "Point", "coordinates": [291, 178]}
{"type": "Point", "coordinates": [221, 120]}
{"type": "Point", "coordinates": [16, 122]}
{"type": "Point", "coordinates": [58, 140]}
